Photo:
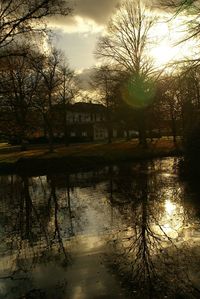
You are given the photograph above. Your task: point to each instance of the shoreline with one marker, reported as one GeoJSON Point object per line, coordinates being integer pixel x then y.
{"type": "Point", "coordinates": [83, 157]}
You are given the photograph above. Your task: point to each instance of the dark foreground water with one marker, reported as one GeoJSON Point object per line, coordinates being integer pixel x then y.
{"type": "Point", "coordinates": [131, 231]}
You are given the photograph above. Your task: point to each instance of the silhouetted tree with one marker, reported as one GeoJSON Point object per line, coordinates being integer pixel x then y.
{"type": "Point", "coordinates": [18, 84]}
{"type": "Point", "coordinates": [125, 44]}
{"type": "Point", "coordinates": [20, 18]}
{"type": "Point", "coordinates": [48, 67]}
{"type": "Point", "coordinates": [104, 81]}
{"type": "Point", "coordinates": [69, 89]}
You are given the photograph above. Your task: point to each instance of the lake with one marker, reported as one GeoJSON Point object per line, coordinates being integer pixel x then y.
{"type": "Point", "coordinates": [125, 231]}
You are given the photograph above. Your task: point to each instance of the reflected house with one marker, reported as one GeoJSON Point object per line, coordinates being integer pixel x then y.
{"type": "Point", "coordinates": [82, 179]}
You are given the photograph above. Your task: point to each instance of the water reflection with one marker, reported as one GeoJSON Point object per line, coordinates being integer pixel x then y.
{"type": "Point", "coordinates": [173, 219]}
{"type": "Point", "coordinates": [73, 236]}
{"type": "Point", "coordinates": [153, 254]}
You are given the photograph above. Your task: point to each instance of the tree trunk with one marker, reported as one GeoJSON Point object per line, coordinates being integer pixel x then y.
{"type": "Point", "coordinates": [174, 131]}
{"type": "Point", "coordinates": [23, 139]}
{"type": "Point", "coordinates": [21, 119]}
{"type": "Point", "coordinates": [66, 132]}
{"type": "Point", "coordinates": [50, 135]}
{"type": "Point", "coordinates": [142, 128]}
{"type": "Point", "coordinates": [109, 125]}
{"type": "Point", "coordinates": [28, 208]}
{"type": "Point", "coordinates": [49, 130]}
{"type": "Point", "coordinates": [50, 123]}
{"type": "Point", "coordinates": [109, 133]}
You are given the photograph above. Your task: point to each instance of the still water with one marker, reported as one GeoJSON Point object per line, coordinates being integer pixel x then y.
{"type": "Point", "coordinates": [129, 231]}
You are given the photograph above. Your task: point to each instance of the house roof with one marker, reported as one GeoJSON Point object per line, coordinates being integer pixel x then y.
{"type": "Point", "coordinates": [87, 107]}
{"type": "Point", "coordinates": [82, 107]}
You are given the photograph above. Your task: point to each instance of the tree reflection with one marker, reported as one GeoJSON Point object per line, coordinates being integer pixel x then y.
{"type": "Point", "coordinates": [141, 207]}
{"type": "Point", "coordinates": [146, 254]}
{"type": "Point", "coordinates": [57, 230]}
{"type": "Point", "coordinates": [30, 240]}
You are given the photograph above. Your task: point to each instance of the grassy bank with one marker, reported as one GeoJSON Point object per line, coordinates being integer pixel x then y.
{"type": "Point", "coordinates": [84, 156]}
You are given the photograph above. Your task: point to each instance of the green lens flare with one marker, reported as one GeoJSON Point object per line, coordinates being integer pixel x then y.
{"type": "Point", "coordinates": [138, 92]}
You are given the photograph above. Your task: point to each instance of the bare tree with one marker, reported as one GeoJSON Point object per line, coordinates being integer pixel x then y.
{"type": "Point", "coordinates": [180, 100]}
{"type": "Point", "coordinates": [18, 83]}
{"type": "Point", "coordinates": [169, 103]}
{"type": "Point", "coordinates": [126, 44]}
{"type": "Point", "coordinates": [20, 17]}
{"type": "Point", "coordinates": [69, 89]}
{"type": "Point", "coordinates": [104, 81]}
{"type": "Point", "coordinates": [189, 97]}
{"type": "Point", "coordinates": [191, 11]}
{"type": "Point", "coordinates": [48, 90]}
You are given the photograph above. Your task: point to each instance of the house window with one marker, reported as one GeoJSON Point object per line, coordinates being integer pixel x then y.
{"type": "Point", "coordinates": [72, 134]}
{"type": "Point", "coordinates": [100, 133]}
{"type": "Point", "coordinates": [84, 134]}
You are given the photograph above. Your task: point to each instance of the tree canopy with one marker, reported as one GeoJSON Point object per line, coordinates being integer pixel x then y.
{"type": "Point", "coordinates": [19, 17]}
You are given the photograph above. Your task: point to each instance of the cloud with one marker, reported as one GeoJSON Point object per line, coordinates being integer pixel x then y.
{"type": "Point", "coordinates": [77, 47]}
{"type": "Point", "coordinates": [92, 15]}
{"type": "Point", "coordinates": [97, 10]}
{"type": "Point", "coordinates": [87, 16]}
{"type": "Point", "coordinates": [87, 92]}
{"type": "Point", "coordinates": [84, 77]}
{"type": "Point", "coordinates": [74, 24]}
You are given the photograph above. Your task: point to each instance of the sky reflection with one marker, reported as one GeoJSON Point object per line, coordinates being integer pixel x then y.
{"type": "Point", "coordinates": [139, 214]}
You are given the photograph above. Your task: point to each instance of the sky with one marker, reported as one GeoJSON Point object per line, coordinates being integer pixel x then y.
{"type": "Point", "coordinates": [77, 47]}
{"type": "Point", "coordinates": [78, 33]}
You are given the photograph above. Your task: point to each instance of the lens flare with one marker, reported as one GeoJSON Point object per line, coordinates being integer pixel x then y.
{"type": "Point", "coordinates": [138, 91]}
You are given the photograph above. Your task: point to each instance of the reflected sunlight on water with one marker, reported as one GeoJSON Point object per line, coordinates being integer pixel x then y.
{"type": "Point", "coordinates": [169, 207]}
{"type": "Point", "coordinates": [173, 219]}
{"type": "Point", "coordinates": [68, 221]}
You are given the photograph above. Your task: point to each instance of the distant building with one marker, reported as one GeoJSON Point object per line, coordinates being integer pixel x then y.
{"type": "Point", "coordinates": [86, 121]}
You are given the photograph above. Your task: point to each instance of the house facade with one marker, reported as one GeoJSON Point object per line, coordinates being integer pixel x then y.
{"type": "Point", "coordinates": [86, 121]}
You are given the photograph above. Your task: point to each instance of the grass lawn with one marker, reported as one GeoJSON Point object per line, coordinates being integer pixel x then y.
{"type": "Point", "coordinates": [115, 151]}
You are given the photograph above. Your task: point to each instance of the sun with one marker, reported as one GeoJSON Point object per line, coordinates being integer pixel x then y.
{"type": "Point", "coordinates": [163, 54]}
{"type": "Point", "coordinates": [167, 46]}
